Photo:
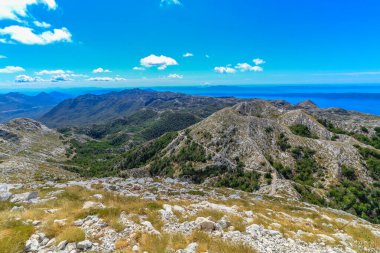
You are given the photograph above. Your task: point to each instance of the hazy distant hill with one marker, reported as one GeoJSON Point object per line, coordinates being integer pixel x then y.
{"type": "Point", "coordinates": [17, 105]}
{"type": "Point", "coordinates": [98, 109]}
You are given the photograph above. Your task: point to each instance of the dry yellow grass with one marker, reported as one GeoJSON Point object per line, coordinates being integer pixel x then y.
{"type": "Point", "coordinates": [291, 217]}
{"type": "Point", "coordinates": [13, 235]}
{"type": "Point", "coordinates": [159, 244]}
{"type": "Point", "coordinates": [215, 245]}
{"type": "Point", "coordinates": [71, 234]}
{"type": "Point", "coordinates": [121, 244]}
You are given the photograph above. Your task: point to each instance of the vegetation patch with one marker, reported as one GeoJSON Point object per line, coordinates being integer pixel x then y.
{"type": "Point", "coordinates": [302, 130]}
{"type": "Point", "coordinates": [282, 142]}
{"type": "Point", "coordinates": [354, 197]}
{"type": "Point", "coordinates": [13, 236]}
{"type": "Point", "coordinates": [240, 179]}
{"type": "Point", "coordinates": [71, 234]}
{"type": "Point", "coordinates": [144, 153]}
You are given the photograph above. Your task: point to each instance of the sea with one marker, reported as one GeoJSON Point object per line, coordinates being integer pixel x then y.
{"type": "Point", "coordinates": [358, 97]}
{"type": "Point", "coordinates": [363, 98]}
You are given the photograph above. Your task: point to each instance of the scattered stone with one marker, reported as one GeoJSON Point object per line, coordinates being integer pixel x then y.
{"type": "Point", "coordinates": [55, 193]}
{"type": "Point", "coordinates": [224, 223]}
{"type": "Point", "coordinates": [60, 222]}
{"type": "Point", "coordinates": [24, 197]}
{"type": "Point", "coordinates": [62, 245]}
{"type": "Point", "coordinates": [98, 196]}
{"type": "Point", "coordinates": [191, 248]}
{"type": "Point", "coordinates": [36, 223]}
{"type": "Point", "coordinates": [83, 245]}
{"type": "Point", "coordinates": [136, 248]}
{"type": "Point", "coordinates": [95, 205]}
{"type": "Point", "coordinates": [79, 222]}
{"type": "Point", "coordinates": [18, 209]}
{"type": "Point", "coordinates": [71, 247]}
{"type": "Point", "coordinates": [4, 196]}
{"type": "Point", "coordinates": [205, 224]}
{"type": "Point", "coordinates": [31, 245]}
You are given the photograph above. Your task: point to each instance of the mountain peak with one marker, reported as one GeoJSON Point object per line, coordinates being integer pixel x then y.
{"type": "Point", "coordinates": [307, 104]}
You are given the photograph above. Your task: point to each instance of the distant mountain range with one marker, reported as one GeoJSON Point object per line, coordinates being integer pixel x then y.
{"type": "Point", "coordinates": [17, 105]}
{"type": "Point", "coordinates": [100, 109]}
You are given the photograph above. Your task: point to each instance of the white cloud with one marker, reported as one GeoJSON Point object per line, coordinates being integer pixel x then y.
{"type": "Point", "coordinates": [11, 70]}
{"type": "Point", "coordinates": [41, 24]}
{"type": "Point", "coordinates": [188, 55]}
{"type": "Point", "coordinates": [3, 57]}
{"type": "Point", "coordinates": [101, 70]}
{"type": "Point", "coordinates": [161, 62]}
{"type": "Point", "coordinates": [17, 9]}
{"type": "Point", "coordinates": [25, 79]}
{"type": "Point", "coordinates": [106, 79]}
{"type": "Point", "coordinates": [26, 35]}
{"type": "Point", "coordinates": [61, 78]}
{"type": "Point", "coordinates": [225, 70]}
{"type": "Point", "coordinates": [100, 79]}
{"type": "Point", "coordinates": [207, 56]}
{"type": "Point", "coordinates": [138, 68]}
{"type": "Point", "coordinates": [175, 76]}
{"type": "Point", "coordinates": [258, 61]}
{"type": "Point", "coordinates": [243, 67]}
{"type": "Point", "coordinates": [170, 2]}
{"type": "Point", "coordinates": [52, 72]}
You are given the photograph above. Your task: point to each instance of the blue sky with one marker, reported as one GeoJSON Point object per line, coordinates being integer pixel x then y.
{"type": "Point", "coordinates": [48, 43]}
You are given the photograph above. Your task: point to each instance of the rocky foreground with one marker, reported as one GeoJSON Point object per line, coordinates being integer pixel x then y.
{"type": "Point", "coordinates": [168, 215]}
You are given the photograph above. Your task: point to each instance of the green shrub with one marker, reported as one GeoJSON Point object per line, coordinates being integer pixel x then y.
{"type": "Point", "coordinates": [192, 152]}
{"type": "Point", "coordinates": [141, 155]}
{"type": "Point", "coordinates": [306, 165]}
{"type": "Point", "coordinates": [348, 173]}
{"type": "Point", "coordinates": [357, 198]}
{"type": "Point", "coordinates": [307, 195]}
{"type": "Point", "coordinates": [330, 126]}
{"type": "Point", "coordinates": [282, 142]}
{"type": "Point", "coordinates": [286, 172]}
{"type": "Point", "coordinates": [303, 131]}
{"type": "Point", "coordinates": [372, 160]}
{"type": "Point", "coordinates": [200, 175]}
{"type": "Point", "coordinates": [239, 179]}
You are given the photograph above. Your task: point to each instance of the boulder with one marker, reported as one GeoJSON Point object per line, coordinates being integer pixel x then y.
{"type": "Point", "coordinates": [31, 245]}
{"type": "Point", "coordinates": [18, 209]}
{"type": "Point", "coordinates": [191, 248]}
{"type": "Point", "coordinates": [83, 245]}
{"type": "Point", "coordinates": [205, 224]}
{"type": "Point", "coordinates": [24, 197]}
{"type": "Point", "coordinates": [98, 196]}
{"type": "Point", "coordinates": [62, 245]}
{"type": "Point", "coordinates": [136, 249]}
{"type": "Point", "coordinates": [90, 204]}
{"type": "Point", "coordinates": [4, 196]}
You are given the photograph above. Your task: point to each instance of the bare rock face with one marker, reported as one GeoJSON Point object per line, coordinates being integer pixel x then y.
{"type": "Point", "coordinates": [258, 136]}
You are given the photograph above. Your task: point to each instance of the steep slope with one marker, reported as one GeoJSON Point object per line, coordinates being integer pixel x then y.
{"type": "Point", "coordinates": [98, 109]}
{"type": "Point", "coordinates": [30, 151]}
{"type": "Point", "coordinates": [274, 148]}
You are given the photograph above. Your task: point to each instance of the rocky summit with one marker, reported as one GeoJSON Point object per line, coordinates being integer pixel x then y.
{"type": "Point", "coordinates": [256, 176]}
